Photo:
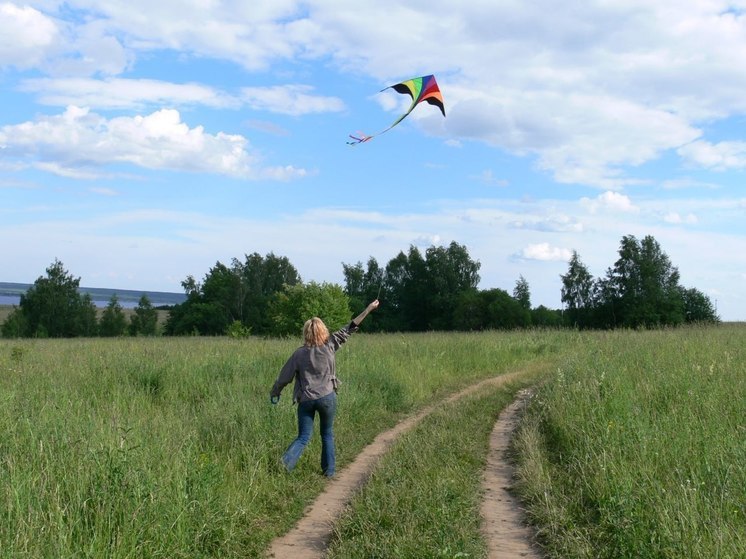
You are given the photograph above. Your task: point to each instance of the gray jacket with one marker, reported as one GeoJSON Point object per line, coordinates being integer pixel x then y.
{"type": "Point", "coordinates": [313, 368]}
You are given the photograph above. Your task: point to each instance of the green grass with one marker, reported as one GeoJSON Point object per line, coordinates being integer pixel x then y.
{"type": "Point", "coordinates": [634, 447]}
{"type": "Point", "coordinates": [424, 499]}
{"type": "Point", "coordinates": [637, 447]}
{"type": "Point", "coordinates": [168, 447]}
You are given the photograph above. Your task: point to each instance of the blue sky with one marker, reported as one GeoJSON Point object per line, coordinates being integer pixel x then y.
{"type": "Point", "coordinates": [142, 142]}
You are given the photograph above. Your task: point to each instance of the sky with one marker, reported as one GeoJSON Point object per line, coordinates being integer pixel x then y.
{"type": "Point", "coordinates": [143, 142]}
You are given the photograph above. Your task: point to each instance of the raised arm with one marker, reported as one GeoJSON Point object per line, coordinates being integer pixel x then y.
{"type": "Point", "coordinates": [359, 318]}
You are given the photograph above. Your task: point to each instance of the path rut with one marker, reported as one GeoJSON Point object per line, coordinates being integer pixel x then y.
{"type": "Point", "coordinates": [503, 526]}
{"type": "Point", "coordinates": [310, 536]}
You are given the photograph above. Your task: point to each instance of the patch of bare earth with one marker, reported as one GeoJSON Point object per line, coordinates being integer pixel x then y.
{"type": "Point", "coordinates": [503, 526]}
{"type": "Point", "coordinates": [310, 537]}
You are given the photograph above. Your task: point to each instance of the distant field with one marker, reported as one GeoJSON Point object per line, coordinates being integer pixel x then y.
{"type": "Point", "coordinates": [5, 310]}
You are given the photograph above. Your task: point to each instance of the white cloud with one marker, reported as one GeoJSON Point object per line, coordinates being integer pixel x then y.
{"type": "Point", "coordinates": [79, 141]}
{"type": "Point", "coordinates": [589, 92]}
{"type": "Point", "coordinates": [678, 184]}
{"type": "Point", "coordinates": [545, 253]}
{"type": "Point", "coordinates": [26, 35]}
{"type": "Point", "coordinates": [291, 99]}
{"type": "Point", "coordinates": [677, 219]}
{"type": "Point", "coordinates": [554, 223]}
{"type": "Point", "coordinates": [720, 156]}
{"type": "Point", "coordinates": [609, 202]}
{"type": "Point", "coordinates": [116, 93]}
{"type": "Point", "coordinates": [104, 191]}
{"type": "Point", "coordinates": [488, 177]}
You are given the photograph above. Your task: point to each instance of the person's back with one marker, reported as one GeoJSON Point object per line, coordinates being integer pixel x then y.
{"type": "Point", "coordinates": [313, 366]}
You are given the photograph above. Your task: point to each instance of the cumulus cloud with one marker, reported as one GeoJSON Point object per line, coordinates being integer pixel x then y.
{"type": "Point", "coordinates": [82, 141]}
{"type": "Point", "coordinates": [26, 35]}
{"type": "Point", "coordinates": [544, 252]}
{"type": "Point", "coordinates": [677, 219]}
{"type": "Point", "coordinates": [609, 202]}
{"type": "Point", "coordinates": [588, 92]}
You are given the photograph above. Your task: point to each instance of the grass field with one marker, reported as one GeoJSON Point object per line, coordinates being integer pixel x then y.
{"type": "Point", "coordinates": [5, 311]}
{"type": "Point", "coordinates": [637, 447]}
{"type": "Point", "coordinates": [168, 447]}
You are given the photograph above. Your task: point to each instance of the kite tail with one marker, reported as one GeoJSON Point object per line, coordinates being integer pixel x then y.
{"type": "Point", "coordinates": [359, 140]}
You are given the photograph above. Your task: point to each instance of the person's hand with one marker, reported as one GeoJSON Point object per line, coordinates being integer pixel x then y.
{"type": "Point", "coordinates": [373, 305]}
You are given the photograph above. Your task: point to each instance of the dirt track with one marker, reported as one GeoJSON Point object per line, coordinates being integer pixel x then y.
{"type": "Point", "coordinates": [502, 516]}
{"type": "Point", "coordinates": [309, 538]}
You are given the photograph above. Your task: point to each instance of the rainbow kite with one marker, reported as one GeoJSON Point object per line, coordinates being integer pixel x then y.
{"type": "Point", "coordinates": [420, 89]}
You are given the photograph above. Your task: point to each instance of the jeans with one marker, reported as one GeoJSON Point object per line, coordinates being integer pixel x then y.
{"type": "Point", "coordinates": [326, 408]}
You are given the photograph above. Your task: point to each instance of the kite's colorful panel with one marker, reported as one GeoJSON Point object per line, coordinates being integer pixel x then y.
{"type": "Point", "coordinates": [424, 88]}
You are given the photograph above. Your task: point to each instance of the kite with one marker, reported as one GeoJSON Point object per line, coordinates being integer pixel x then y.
{"type": "Point", "coordinates": [420, 89]}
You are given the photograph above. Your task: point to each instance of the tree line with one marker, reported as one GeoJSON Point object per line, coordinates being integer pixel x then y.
{"type": "Point", "coordinates": [641, 289]}
{"type": "Point", "coordinates": [434, 290]}
{"type": "Point", "coordinates": [53, 307]}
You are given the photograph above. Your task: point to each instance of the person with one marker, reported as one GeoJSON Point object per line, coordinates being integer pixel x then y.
{"type": "Point", "coordinates": [314, 369]}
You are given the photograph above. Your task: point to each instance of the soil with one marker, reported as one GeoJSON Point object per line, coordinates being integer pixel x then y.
{"type": "Point", "coordinates": [505, 534]}
{"type": "Point", "coordinates": [504, 530]}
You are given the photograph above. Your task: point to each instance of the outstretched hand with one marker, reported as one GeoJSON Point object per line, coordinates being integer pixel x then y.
{"type": "Point", "coordinates": [371, 306]}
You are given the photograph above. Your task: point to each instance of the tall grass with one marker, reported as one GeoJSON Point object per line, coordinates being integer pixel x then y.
{"type": "Point", "coordinates": [424, 499]}
{"type": "Point", "coordinates": [637, 447]}
{"type": "Point", "coordinates": [168, 447]}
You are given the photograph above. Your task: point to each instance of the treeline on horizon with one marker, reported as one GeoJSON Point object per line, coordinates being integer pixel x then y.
{"type": "Point", "coordinates": [437, 290]}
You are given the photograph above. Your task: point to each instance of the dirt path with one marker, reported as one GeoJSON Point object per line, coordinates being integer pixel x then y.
{"type": "Point", "coordinates": [502, 516]}
{"type": "Point", "coordinates": [309, 538]}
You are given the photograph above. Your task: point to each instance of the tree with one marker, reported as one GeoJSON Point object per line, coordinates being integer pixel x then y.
{"type": "Point", "coordinates": [145, 319]}
{"type": "Point", "coordinates": [223, 288]}
{"type": "Point", "coordinates": [291, 307]}
{"type": "Point", "coordinates": [645, 285]}
{"type": "Point", "coordinates": [698, 307]}
{"type": "Point", "coordinates": [87, 317]}
{"type": "Point", "coordinates": [262, 278]}
{"type": "Point", "coordinates": [406, 292]}
{"type": "Point", "coordinates": [449, 273]}
{"type": "Point", "coordinates": [490, 309]}
{"type": "Point", "coordinates": [577, 292]}
{"type": "Point", "coordinates": [241, 292]}
{"type": "Point", "coordinates": [470, 313]}
{"type": "Point", "coordinates": [53, 307]}
{"type": "Point", "coordinates": [16, 325]}
{"type": "Point", "coordinates": [545, 317]}
{"type": "Point", "coordinates": [503, 311]}
{"type": "Point", "coordinates": [113, 321]}
{"type": "Point", "coordinates": [522, 293]}
{"type": "Point", "coordinates": [419, 292]}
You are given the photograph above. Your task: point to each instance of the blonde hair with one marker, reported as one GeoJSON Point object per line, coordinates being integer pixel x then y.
{"type": "Point", "coordinates": [315, 332]}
